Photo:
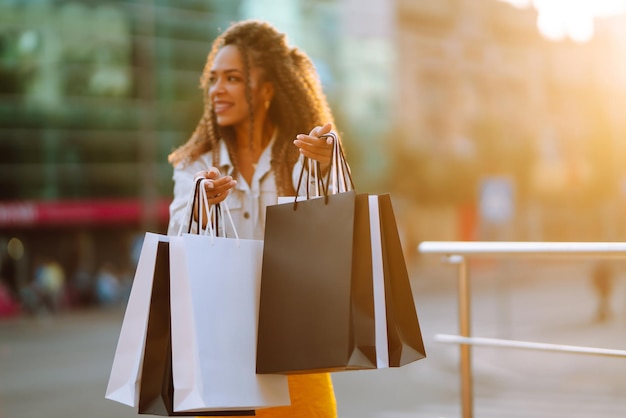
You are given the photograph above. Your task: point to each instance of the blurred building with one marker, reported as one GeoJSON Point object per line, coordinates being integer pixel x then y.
{"type": "Point", "coordinates": [483, 96]}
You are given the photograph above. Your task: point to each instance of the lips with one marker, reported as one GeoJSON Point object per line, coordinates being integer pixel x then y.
{"type": "Point", "coordinates": [221, 106]}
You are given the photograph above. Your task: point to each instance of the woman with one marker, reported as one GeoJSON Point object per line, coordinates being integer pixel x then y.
{"type": "Point", "coordinates": [260, 96]}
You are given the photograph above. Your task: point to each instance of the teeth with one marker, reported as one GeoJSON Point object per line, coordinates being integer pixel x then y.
{"type": "Point", "coordinates": [220, 106]}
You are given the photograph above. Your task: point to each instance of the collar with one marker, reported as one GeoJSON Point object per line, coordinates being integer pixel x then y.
{"type": "Point", "coordinates": [226, 165]}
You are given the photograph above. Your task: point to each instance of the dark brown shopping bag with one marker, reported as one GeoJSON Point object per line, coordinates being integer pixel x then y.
{"type": "Point", "coordinates": [404, 337]}
{"type": "Point", "coordinates": [316, 306]}
{"type": "Point", "coordinates": [156, 388]}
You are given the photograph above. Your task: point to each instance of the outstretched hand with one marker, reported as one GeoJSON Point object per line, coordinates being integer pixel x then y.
{"type": "Point", "coordinates": [218, 187]}
{"type": "Point", "coordinates": [314, 147]}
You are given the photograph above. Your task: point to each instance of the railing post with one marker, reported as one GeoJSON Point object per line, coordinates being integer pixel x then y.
{"type": "Point", "coordinates": [464, 330]}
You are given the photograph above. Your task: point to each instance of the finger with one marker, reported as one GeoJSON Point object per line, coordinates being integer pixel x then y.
{"type": "Point", "coordinates": [326, 128]}
{"type": "Point", "coordinates": [222, 185]}
{"type": "Point", "coordinates": [310, 143]}
{"type": "Point", "coordinates": [321, 130]}
{"type": "Point", "coordinates": [322, 157]}
{"type": "Point", "coordinates": [221, 181]}
{"type": "Point", "coordinates": [315, 150]}
{"type": "Point", "coordinates": [212, 173]}
{"type": "Point", "coordinates": [208, 185]}
{"type": "Point", "coordinates": [213, 200]}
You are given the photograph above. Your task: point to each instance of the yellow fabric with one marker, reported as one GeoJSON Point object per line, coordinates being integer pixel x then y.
{"type": "Point", "coordinates": [312, 396]}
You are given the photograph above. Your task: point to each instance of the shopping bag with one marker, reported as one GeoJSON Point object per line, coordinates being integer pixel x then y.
{"type": "Point", "coordinates": [331, 292]}
{"type": "Point", "coordinates": [157, 389]}
{"type": "Point", "coordinates": [141, 374]}
{"type": "Point", "coordinates": [214, 308]}
{"type": "Point", "coordinates": [398, 333]}
{"type": "Point", "coordinates": [124, 379]}
{"type": "Point", "coordinates": [316, 309]}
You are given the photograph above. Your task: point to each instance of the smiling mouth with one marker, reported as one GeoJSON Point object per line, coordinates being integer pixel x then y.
{"type": "Point", "coordinates": [221, 107]}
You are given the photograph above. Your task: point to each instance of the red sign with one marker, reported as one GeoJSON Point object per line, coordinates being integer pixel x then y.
{"type": "Point", "coordinates": [44, 213]}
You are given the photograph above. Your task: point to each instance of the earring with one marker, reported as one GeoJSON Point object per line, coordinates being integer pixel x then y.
{"type": "Point", "coordinates": [267, 104]}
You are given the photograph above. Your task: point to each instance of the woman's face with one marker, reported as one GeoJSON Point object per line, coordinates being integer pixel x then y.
{"type": "Point", "coordinates": [227, 88]}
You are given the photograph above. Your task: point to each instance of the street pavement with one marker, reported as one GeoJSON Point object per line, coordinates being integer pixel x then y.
{"type": "Point", "coordinates": [57, 367]}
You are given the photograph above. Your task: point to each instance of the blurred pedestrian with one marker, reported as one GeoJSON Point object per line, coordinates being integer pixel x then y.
{"type": "Point", "coordinates": [82, 287]}
{"type": "Point", "coordinates": [8, 276]}
{"type": "Point", "coordinates": [108, 287]}
{"type": "Point", "coordinates": [9, 287]}
{"type": "Point", "coordinates": [602, 281]}
{"type": "Point", "coordinates": [49, 286]}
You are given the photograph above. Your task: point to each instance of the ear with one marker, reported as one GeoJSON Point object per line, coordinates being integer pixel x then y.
{"type": "Point", "coordinates": [268, 91]}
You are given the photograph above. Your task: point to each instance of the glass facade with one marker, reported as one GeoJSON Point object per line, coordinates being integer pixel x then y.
{"type": "Point", "coordinates": [94, 95]}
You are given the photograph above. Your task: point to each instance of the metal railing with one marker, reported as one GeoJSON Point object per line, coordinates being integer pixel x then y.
{"type": "Point", "coordinates": [457, 252]}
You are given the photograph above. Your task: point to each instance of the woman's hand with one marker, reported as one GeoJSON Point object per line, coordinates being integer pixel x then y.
{"type": "Point", "coordinates": [218, 187]}
{"type": "Point", "coordinates": [314, 147]}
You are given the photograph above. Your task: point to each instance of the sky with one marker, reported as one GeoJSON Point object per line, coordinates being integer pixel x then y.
{"type": "Point", "coordinates": [574, 19]}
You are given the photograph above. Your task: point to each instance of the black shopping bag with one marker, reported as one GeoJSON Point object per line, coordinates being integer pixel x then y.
{"type": "Point", "coordinates": [316, 307]}
{"type": "Point", "coordinates": [156, 388]}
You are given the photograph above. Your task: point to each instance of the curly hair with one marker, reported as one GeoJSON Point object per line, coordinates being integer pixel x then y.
{"type": "Point", "coordinates": [298, 105]}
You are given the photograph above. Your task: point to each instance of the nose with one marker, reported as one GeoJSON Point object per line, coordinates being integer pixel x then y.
{"type": "Point", "coordinates": [217, 86]}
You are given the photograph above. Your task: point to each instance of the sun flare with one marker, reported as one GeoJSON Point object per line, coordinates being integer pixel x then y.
{"type": "Point", "coordinates": [574, 19]}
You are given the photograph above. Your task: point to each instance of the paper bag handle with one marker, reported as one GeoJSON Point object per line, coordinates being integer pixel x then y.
{"type": "Point", "coordinates": [339, 169]}
{"type": "Point", "coordinates": [338, 172]}
{"type": "Point", "coordinates": [217, 215]}
{"type": "Point", "coordinates": [189, 207]}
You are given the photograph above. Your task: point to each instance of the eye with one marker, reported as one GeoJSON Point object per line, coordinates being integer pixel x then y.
{"type": "Point", "coordinates": [212, 80]}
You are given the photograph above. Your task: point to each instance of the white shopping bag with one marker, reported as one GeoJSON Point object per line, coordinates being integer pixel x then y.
{"type": "Point", "coordinates": [378, 277]}
{"type": "Point", "coordinates": [215, 285]}
{"type": "Point", "coordinates": [125, 374]}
